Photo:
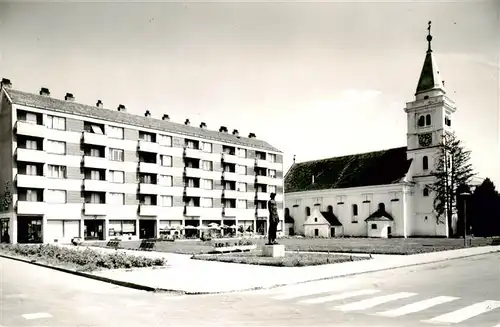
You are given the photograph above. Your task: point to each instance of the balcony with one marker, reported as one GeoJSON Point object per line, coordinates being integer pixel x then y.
{"type": "Point", "coordinates": [146, 167]}
{"type": "Point", "coordinates": [231, 212]}
{"type": "Point", "coordinates": [230, 176]}
{"type": "Point", "coordinates": [30, 129]}
{"type": "Point", "coordinates": [263, 196]}
{"type": "Point", "coordinates": [193, 153]}
{"type": "Point", "coordinates": [30, 181]}
{"type": "Point", "coordinates": [95, 185]}
{"type": "Point", "coordinates": [28, 155]}
{"type": "Point", "coordinates": [148, 146]}
{"type": "Point", "coordinates": [231, 194]}
{"type": "Point", "coordinates": [196, 192]}
{"type": "Point", "coordinates": [194, 172]}
{"type": "Point", "coordinates": [145, 188]}
{"type": "Point", "coordinates": [148, 210]}
{"type": "Point", "coordinates": [230, 158]}
{"type": "Point", "coordinates": [262, 213]}
{"type": "Point", "coordinates": [266, 180]}
{"type": "Point", "coordinates": [193, 211]}
{"type": "Point", "coordinates": [95, 209]}
{"type": "Point", "coordinates": [30, 208]}
{"type": "Point", "coordinates": [95, 139]}
{"type": "Point", "coordinates": [95, 162]}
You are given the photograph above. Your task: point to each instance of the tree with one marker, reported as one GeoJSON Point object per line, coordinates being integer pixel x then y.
{"type": "Point", "coordinates": [485, 213]}
{"type": "Point", "coordinates": [452, 170]}
{"type": "Point", "coordinates": [6, 198]}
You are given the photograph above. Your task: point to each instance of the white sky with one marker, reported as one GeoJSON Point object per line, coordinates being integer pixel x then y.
{"type": "Point", "coordinates": [313, 79]}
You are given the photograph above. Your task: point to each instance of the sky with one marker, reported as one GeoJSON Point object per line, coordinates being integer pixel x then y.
{"type": "Point", "coordinates": [314, 79]}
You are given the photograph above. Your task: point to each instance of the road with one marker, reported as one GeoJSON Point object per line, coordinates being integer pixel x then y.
{"type": "Point", "coordinates": [464, 292]}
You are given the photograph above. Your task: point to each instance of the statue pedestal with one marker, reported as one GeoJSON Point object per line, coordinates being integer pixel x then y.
{"type": "Point", "coordinates": [275, 250]}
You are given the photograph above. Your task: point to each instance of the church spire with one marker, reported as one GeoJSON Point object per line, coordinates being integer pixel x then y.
{"type": "Point", "coordinates": [429, 77]}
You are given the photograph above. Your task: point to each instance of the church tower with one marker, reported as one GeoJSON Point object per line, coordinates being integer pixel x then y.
{"type": "Point", "coordinates": [428, 117]}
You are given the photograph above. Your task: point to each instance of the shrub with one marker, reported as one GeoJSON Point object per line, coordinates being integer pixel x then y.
{"type": "Point", "coordinates": [88, 259]}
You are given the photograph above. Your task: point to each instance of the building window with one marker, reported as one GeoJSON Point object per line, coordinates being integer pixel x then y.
{"type": "Point", "coordinates": [115, 132]}
{"type": "Point", "coordinates": [31, 145]}
{"type": "Point", "coordinates": [165, 140]}
{"type": "Point", "coordinates": [330, 209]}
{"type": "Point", "coordinates": [428, 120]}
{"type": "Point", "coordinates": [426, 191]}
{"type": "Point", "coordinates": [316, 232]}
{"type": "Point", "coordinates": [206, 165]}
{"type": "Point", "coordinates": [148, 137]}
{"type": "Point", "coordinates": [31, 170]}
{"type": "Point", "coordinates": [147, 200]}
{"type": "Point", "coordinates": [207, 202]}
{"type": "Point", "coordinates": [116, 176]}
{"type": "Point", "coordinates": [447, 121]}
{"type": "Point", "coordinates": [31, 118]}
{"type": "Point", "coordinates": [56, 147]}
{"type": "Point", "coordinates": [315, 220]}
{"type": "Point", "coordinates": [32, 195]}
{"type": "Point", "coordinates": [241, 187]}
{"type": "Point", "coordinates": [190, 144]}
{"type": "Point", "coordinates": [241, 204]}
{"type": "Point", "coordinates": [207, 184]}
{"type": "Point", "coordinates": [355, 210]}
{"type": "Point", "coordinates": [54, 122]}
{"type": "Point", "coordinates": [207, 147]}
{"type": "Point", "coordinates": [165, 180]}
{"type": "Point", "coordinates": [425, 163]}
{"type": "Point", "coordinates": [92, 128]}
{"type": "Point", "coordinates": [116, 154]}
{"type": "Point", "coordinates": [272, 173]}
{"type": "Point", "coordinates": [166, 161]}
{"type": "Point", "coordinates": [381, 206]}
{"type": "Point", "coordinates": [54, 171]}
{"type": "Point", "coordinates": [94, 198]}
{"type": "Point", "coordinates": [116, 198]}
{"type": "Point", "coordinates": [122, 227]}
{"type": "Point", "coordinates": [240, 169]}
{"type": "Point", "coordinates": [374, 226]}
{"type": "Point", "coordinates": [95, 175]}
{"type": "Point", "coordinates": [271, 189]}
{"type": "Point", "coordinates": [421, 121]}
{"type": "Point", "coordinates": [166, 200]}
{"type": "Point", "coordinates": [272, 157]}
{"type": "Point", "coordinates": [308, 211]}
{"type": "Point", "coordinates": [242, 153]}
{"type": "Point", "coordinates": [55, 196]}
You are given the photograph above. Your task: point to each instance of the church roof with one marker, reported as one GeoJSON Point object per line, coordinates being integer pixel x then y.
{"type": "Point", "coordinates": [331, 218]}
{"type": "Point", "coordinates": [429, 77]}
{"type": "Point", "coordinates": [49, 103]}
{"type": "Point", "coordinates": [365, 169]}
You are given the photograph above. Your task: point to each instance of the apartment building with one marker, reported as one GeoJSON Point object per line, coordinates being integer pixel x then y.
{"type": "Point", "coordinates": [77, 170]}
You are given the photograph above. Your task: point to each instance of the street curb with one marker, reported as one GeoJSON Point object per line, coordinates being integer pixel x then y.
{"type": "Point", "coordinates": [92, 276]}
{"type": "Point", "coordinates": [156, 290]}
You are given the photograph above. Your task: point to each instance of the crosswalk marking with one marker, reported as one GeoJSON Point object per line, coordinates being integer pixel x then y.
{"type": "Point", "coordinates": [466, 313]}
{"type": "Point", "coordinates": [370, 303]}
{"type": "Point", "coordinates": [340, 296]}
{"type": "Point", "coordinates": [308, 291]}
{"type": "Point", "coordinates": [417, 306]}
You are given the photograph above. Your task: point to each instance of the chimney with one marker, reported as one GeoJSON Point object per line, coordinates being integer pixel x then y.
{"type": "Point", "coordinates": [69, 97]}
{"type": "Point", "coordinates": [5, 83]}
{"type": "Point", "coordinates": [122, 108]}
{"type": "Point", "coordinates": [147, 113]}
{"type": "Point", "coordinates": [203, 125]}
{"type": "Point", "coordinates": [235, 132]}
{"type": "Point", "coordinates": [187, 122]}
{"type": "Point", "coordinates": [223, 129]}
{"type": "Point", "coordinates": [251, 136]}
{"type": "Point", "coordinates": [99, 104]}
{"type": "Point", "coordinates": [44, 91]}
{"type": "Point", "coordinates": [165, 117]}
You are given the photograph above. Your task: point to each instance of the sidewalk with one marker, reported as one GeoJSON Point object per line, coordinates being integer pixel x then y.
{"type": "Point", "coordinates": [198, 276]}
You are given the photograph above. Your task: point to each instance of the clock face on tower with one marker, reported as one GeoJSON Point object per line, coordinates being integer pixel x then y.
{"type": "Point", "coordinates": [425, 139]}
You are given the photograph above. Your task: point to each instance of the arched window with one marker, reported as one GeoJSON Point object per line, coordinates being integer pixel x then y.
{"type": "Point", "coordinates": [308, 211]}
{"type": "Point", "coordinates": [330, 209]}
{"type": "Point", "coordinates": [421, 121]}
{"type": "Point", "coordinates": [381, 206]}
{"type": "Point", "coordinates": [354, 209]}
{"type": "Point", "coordinates": [425, 163]}
{"type": "Point", "coordinates": [426, 191]}
{"type": "Point", "coordinates": [428, 120]}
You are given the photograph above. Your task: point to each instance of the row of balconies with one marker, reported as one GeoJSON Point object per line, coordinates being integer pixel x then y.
{"type": "Point", "coordinates": [28, 129]}
{"type": "Point", "coordinates": [101, 209]}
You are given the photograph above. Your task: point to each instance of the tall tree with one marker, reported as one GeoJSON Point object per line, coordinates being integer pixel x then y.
{"type": "Point", "coordinates": [452, 170]}
{"type": "Point", "coordinates": [485, 214]}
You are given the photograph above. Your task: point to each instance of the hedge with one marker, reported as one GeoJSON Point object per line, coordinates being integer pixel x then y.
{"type": "Point", "coordinates": [87, 259]}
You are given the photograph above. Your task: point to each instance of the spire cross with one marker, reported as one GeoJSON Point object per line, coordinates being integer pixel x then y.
{"type": "Point", "coordinates": [429, 36]}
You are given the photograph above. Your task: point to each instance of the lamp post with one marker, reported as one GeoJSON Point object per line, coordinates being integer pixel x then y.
{"type": "Point", "coordinates": [465, 195]}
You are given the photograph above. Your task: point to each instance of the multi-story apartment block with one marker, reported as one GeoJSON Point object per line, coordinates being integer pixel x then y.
{"type": "Point", "coordinates": [76, 170]}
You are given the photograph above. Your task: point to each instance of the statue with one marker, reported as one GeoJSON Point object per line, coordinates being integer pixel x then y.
{"type": "Point", "coordinates": [273, 219]}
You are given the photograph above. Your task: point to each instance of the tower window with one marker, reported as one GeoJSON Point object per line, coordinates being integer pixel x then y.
{"type": "Point", "coordinates": [426, 192]}
{"type": "Point", "coordinates": [447, 121]}
{"type": "Point", "coordinates": [427, 120]}
{"type": "Point", "coordinates": [425, 163]}
{"type": "Point", "coordinates": [421, 121]}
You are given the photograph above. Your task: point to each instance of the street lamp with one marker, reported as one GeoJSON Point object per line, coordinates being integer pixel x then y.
{"type": "Point", "coordinates": [464, 195]}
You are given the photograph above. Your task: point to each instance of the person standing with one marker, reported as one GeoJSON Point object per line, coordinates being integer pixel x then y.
{"type": "Point", "coordinates": [273, 219]}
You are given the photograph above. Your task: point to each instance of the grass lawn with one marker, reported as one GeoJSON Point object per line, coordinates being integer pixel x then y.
{"type": "Point", "coordinates": [290, 260]}
{"type": "Point", "coordinates": [342, 245]}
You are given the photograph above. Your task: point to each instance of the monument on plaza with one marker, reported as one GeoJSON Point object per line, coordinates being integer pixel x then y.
{"type": "Point", "coordinates": [272, 248]}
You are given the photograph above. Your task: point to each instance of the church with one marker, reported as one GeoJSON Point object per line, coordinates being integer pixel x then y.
{"type": "Point", "coordinates": [382, 193]}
